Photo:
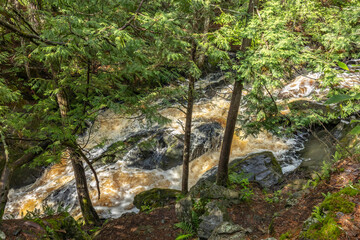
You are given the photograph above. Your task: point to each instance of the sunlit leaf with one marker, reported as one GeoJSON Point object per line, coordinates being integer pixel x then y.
{"type": "Point", "coordinates": [343, 66]}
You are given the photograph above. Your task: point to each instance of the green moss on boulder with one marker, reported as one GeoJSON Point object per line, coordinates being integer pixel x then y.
{"type": "Point", "coordinates": [62, 226]}
{"type": "Point", "coordinates": [155, 198]}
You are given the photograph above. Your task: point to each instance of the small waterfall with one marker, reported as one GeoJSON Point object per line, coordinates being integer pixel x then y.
{"type": "Point", "coordinates": [123, 178]}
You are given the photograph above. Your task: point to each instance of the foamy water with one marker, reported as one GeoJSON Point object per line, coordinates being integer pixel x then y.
{"type": "Point", "coordinates": [120, 183]}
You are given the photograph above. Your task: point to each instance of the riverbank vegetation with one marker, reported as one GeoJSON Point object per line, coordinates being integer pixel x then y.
{"type": "Point", "coordinates": [63, 63]}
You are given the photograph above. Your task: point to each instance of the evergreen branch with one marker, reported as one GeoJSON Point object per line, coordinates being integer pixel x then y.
{"type": "Point", "coordinates": [26, 158]}
{"type": "Point", "coordinates": [26, 22]}
{"type": "Point", "coordinates": [26, 139]}
{"type": "Point", "coordinates": [28, 35]}
{"type": "Point", "coordinates": [133, 16]}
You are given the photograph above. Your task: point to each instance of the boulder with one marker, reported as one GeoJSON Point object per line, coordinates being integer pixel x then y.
{"type": "Point", "coordinates": [155, 197]}
{"type": "Point", "coordinates": [229, 231]}
{"type": "Point", "coordinates": [209, 190]}
{"type": "Point", "coordinates": [259, 167]}
{"type": "Point", "coordinates": [215, 215]}
{"type": "Point", "coordinates": [164, 148]}
{"type": "Point", "coordinates": [183, 209]}
{"type": "Point", "coordinates": [25, 175]}
{"type": "Point", "coordinates": [62, 226]}
{"type": "Point", "coordinates": [308, 106]}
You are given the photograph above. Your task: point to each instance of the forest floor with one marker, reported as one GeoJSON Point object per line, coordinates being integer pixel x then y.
{"type": "Point", "coordinates": [266, 214]}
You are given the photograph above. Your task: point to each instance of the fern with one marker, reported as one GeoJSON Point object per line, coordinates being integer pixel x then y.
{"type": "Point", "coordinates": [186, 227]}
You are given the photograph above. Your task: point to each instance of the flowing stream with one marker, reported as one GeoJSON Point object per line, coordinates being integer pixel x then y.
{"type": "Point", "coordinates": [120, 181]}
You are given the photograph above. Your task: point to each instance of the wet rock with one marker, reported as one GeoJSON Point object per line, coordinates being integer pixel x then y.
{"type": "Point", "coordinates": [229, 231]}
{"type": "Point", "coordinates": [25, 176]}
{"type": "Point", "coordinates": [258, 167]}
{"type": "Point", "coordinates": [155, 198]}
{"type": "Point", "coordinates": [215, 215]}
{"type": "Point", "coordinates": [164, 149]}
{"type": "Point", "coordinates": [65, 194]}
{"type": "Point", "coordinates": [209, 86]}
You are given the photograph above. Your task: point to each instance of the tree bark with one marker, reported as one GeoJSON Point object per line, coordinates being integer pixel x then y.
{"type": "Point", "coordinates": [4, 188]}
{"type": "Point", "coordinates": [88, 211]}
{"type": "Point", "coordinates": [222, 175]}
{"type": "Point", "coordinates": [5, 178]}
{"type": "Point", "coordinates": [187, 146]}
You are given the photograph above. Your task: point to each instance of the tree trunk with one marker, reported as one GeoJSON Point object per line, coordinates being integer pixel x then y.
{"type": "Point", "coordinates": [4, 188]}
{"type": "Point", "coordinates": [89, 214]}
{"type": "Point", "coordinates": [5, 177]}
{"type": "Point", "coordinates": [186, 156]}
{"type": "Point", "coordinates": [222, 175]}
{"type": "Point", "coordinates": [87, 209]}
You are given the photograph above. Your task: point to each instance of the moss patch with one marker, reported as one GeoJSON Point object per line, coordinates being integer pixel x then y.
{"type": "Point", "coordinates": [327, 229]}
{"type": "Point", "coordinates": [155, 198]}
{"type": "Point", "coordinates": [61, 226]}
{"type": "Point", "coordinates": [326, 226]}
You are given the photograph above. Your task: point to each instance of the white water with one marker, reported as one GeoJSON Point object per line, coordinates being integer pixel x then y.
{"type": "Point", "coordinates": [120, 183]}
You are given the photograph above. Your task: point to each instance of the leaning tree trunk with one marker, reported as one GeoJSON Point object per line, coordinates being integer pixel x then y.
{"type": "Point", "coordinates": [222, 175]}
{"type": "Point", "coordinates": [87, 209]}
{"type": "Point", "coordinates": [186, 156]}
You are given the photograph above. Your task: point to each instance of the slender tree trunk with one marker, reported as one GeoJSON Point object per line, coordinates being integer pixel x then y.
{"type": "Point", "coordinates": [4, 188]}
{"type": "Point", "coordinates": [5, 178]}
{"type": "Point", "coordinates": [87, 209]}
{"type": "Point", "coordinates": [187, 146]}
{"type": "Point", "coordinates": [222, 175]}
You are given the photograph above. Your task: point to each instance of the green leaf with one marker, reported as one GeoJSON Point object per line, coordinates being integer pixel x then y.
{"type": "Point", "coordinates": [339, 98]}
{"type": "Point", "coordinates": [355, 130]}
{"type": "Point", "coordinates": [184, 236]}
{"type": "Point", "coordinates": [343, 66]}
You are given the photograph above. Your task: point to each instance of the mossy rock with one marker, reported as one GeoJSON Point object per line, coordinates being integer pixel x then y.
{"type": "Point", "coordinates": [209, 190]}
{"type": "Point", "coordinates": [307, 106]}
{"type": "Point", "coordinates": [154, 198]}
{"type": "Point", "coordinates": [62, 226]}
